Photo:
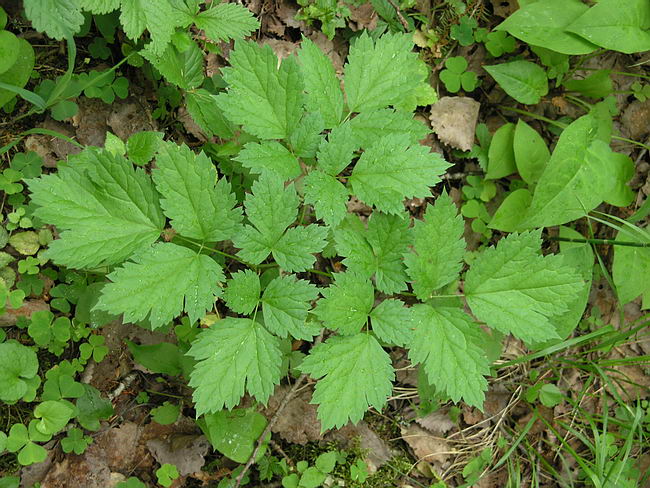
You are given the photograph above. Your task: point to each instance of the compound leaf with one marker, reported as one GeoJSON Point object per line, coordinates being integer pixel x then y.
{"type": "Point", "coordinates": [516, 302]}
{"type": "Point", "coordinates": [59, 19]}
{"type": "Point", "coordinates": [438, 248]}
{"type": "Point", "coordinates": [355, 374]}
{"type": "Point", "coordinates": [392, 170]}
{"type": "Point", "coordinates": [266, 100]}
{"type": "Point", "coordinates": [285, 304]}
{"type": "Point", "coordinates": [370, 127]}
{"type": "Point", "coordinates": [162, 282]}
{"type": "Point", "coordinates": [106, 209]}
{"type": "Point", "coordinates": [346, 303]}
{"type": "Point", "coordinates": [335, 153]}
{"type": "Point", "coordinates": [391, 321]}
{"type": "Point", "coordinates": [269, 156]}
{"type": "Point", "coordinates": [382, 72]}
{"type": "Point", "coordinates": [328, 196]}
{"type": "Point", "coordinates": [447, 342]}
{"type": "Point", "coordinates": [234, 355]}
{"type": "Point", "coordinates": [199, 205]}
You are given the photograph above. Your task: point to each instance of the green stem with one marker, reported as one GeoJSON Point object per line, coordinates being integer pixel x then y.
{"type": "Point", "coordinates": [601, 241]}
{"type": "Point", "coordinates": [217, 251]}
{"type": "Point", "coordinates": [322, 273]}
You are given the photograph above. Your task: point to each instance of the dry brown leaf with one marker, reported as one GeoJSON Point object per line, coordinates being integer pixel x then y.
{"type": "Point", "coordinates": [377, 450]}
{"type": "Point", "coordinates": [437, 422]}
{"type": "Point", "coordinates": [453, 119]}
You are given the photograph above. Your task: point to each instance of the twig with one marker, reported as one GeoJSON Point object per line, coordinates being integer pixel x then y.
{"type": "Point", "coordinates": [400, 17]}
{"type": "Point", "coordinates": [268, 428]}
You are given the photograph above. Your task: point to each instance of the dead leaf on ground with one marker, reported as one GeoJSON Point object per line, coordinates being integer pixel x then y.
{"type": "Point", "coordinates": [298, 422]}
{"type": "Point", "coordinates": [52, 149]}
{"type": "Point", "coordinates": [186, 452]}
{"type": "Point", "coordinates": [453, 119]}
{"type": "Point", "coordinates": [11, 315]}
{"type": "Point", "coordinates": [427, 447]}
{"type": "Point", "coordinates": [636, 120]}
{"type": "Point", "coordinates": [437, 422]}
{"type": "Point", "coordinates": [377, 450]}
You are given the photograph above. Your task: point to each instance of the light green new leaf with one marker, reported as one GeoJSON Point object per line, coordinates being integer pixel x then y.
{"type": "Point", "coordinates": [376, 251]}
{"type": "Point", "coordinates": [271, 209]}
{"type": "Point", "coordinates": [631, 267]}
{"type": "Point", "coordinates": [512, 210]}
{"type": "Point", "coordinates": [381, 73]}
{"type": "Point", "coordinates": [226, 21]}
{"type": "Point", "coordinates": [57, 18]}
{"type": "Point", "coordinates": [448, 344]}
{"type": "Point", "coordinates": [346, 303]}
{"type": "Point", "coordinates": [513, 289]}
{"type": "Point", "coordinates": [18, 365]}
{"type": "Point", "coordinates": [576, 179]}
{"type": "Point", "coordinates": [531, 153]}
{"type": "Point", "coordinates": [266, 100]}
{"type": "Point", "coordinates": [621, 194]}
{"type": "Point", "coordinates": [370, 127]}
{"type": "Point", "coordinates": [106, 209]}
{"type": "Point", "coordinates": [285, 304]}
{"type": "Point", "coordinates": [199, 206]}
{"type": "Point", "coordinates": [544, 24]}
{"type": "Point", "coordinates": [328, 196]}
{"type": "Point", "coordinates": [160, 18]}
{"type": "Point", "coordinates": [234, 356]}
{"type": "Point", "coordinates": [524, 81]}
{"type": "Point", "coordinates": [501, 157]}
{"type": "Point", "coordinates": [392, 322]}
{"type": "Point", "coordinates": [162, 282]}
{"type": "Point", "coordinates": [183, 69]}
{"type": "Point", "coordinates": [438, 248]}
{"type": "Point", "coordinates": [53, 415]}
{"type": "Point", "coordinates": [269, 156]}
{"type": "Point", "coordinates": [392, 170]}
{"type": "Point", "coordinates": [617, 25]}
{"type": "Point", "coordinates": [321, 84]}
{"type": "Point", "coordinates": [205, 111]}
{"type": "Point", "coordinates": [243, 292]}
{"type": "Point", "coordinates": [356, 374]}
{"type": "Point", "coordinates": [19, 73]}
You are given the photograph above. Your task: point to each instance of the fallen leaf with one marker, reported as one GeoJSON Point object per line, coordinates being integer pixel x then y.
{"type": "Point", "coordinates": [453, 119]}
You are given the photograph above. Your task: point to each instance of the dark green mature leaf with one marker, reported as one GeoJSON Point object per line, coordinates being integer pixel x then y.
{"type": "Point", "coordinates": [234, 355]}
{"type": "Point", "coordinates": [266, 100]}
{"type": "Point", "coordinates": [524, 81]}
{"type": "Point", "coordinates": [392, 322]}
{"type": "Point", "coordinates": [511, 301]}
{"type": "Point", "coordinates": [243, 291]}
{"type": "Point", "coordinates": [448, 343]}
{"type": "Point", "coordinates": [392, 170]}
{"type": "Point", "coordinates": [106, 209]}
{"type": "Point", "coordinates": [438, 248]}
{"type": "Point", "coordinates": [285, 304]}
{"type": "Point", "coordinates": [205, 111]}
{"type": "Point", "coordinates": [199, 205]}
{"type": "Point", "coordinates": [162, 282]}
{"type": "Point", "coordinates": [544, 24]}
{"type": "Point", "coordinates": [355, 372]}
{"type": "Point", "coordinates": [616, 25]}
{"type": "Point", "coordinates": [328, 196]}
{"type": "Point", "coordinates": [346, 303]}
{"type": "Point", "coordinates": [376, 251]}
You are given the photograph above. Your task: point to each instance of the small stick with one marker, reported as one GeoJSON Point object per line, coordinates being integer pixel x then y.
{"type": "Point", "coordinates": [400, 17]}
{"type": "Point", "coordinates": [613, 242]}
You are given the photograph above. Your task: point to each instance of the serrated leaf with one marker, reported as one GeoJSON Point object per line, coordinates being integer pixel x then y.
{"type": "Point", "coordinates": [199, 205]}
{"type": "Point", "coordinates": [160, 18]}
{"type": "Point", "coordinates": [306, 137]}
{"type": "Point", "coordinates": [354, 374]}
{"type": "Point", "coordinates": [183, 69]}
{"type": "Point", "coordinates": [205, 111]}
{"type": "Point", "coordinates": [575, 180]}
{"type": "Point", "coordinates": [271, 209]}
{"type": "Point", "coordinates": [101, 6]}
{"type": "Point", "coordinates": [336, 152]}
{"type": "Point", "coordinates": [376, 251]}
{"type": "Point", "coordinates": [447, 342]}
{"type": "Point", "coordinates": [226, 21]}
{"type": "Point", "coordinates": [269, 156]}
{"type": "Point", "coordinates": [328, 196]}
{"type": "Point", "coordinates": [614, 25]}
{"type": "Point", "coordinates": [370, 127]}
{"type": "Point", "coordinates": [321, 84]}
{"type": "Point", "coordinates": [391, 322]}
{"type": "Point", "coordinates": [513, 289]}
{"type": "Point", "coordinates": [243, 292]}
{"type": "Point", "coordinates": [266, 100]}
{"type": "Point", "coordinates": [544, 24]}
{"type": "Point", "coordinates": [392, 170]}
{"type": "Point", "coordinates": [285, 304]}
{"type": "Point", "coordinates": [438, 248]}
{"type": "Point", "coordinates": [106, 209]}
{"type": "Point", "coordinates": [162, 282]}
{"type": "Point", "coordinates": [346, 303]}
{"type": "Point", "coordinates": [381, 73]}
{"type": "Point", "coordinates": [142, 146]}
{"type": "Point", "coordinates": [57, 18]}
{"type": "Point", "coordinates": [234, 356]}
{"type": "Point", "coordinates": [524, 81]}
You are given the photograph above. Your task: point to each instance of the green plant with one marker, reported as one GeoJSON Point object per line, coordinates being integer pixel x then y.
{"type": "Point", "coordinates": [166, 474]}
{"type": "Point", "coordinates": [16, 62]}
{"type": "Point", "coordinates": [311, 476]}
{"type": "Point", "coordinates": [454, 75]}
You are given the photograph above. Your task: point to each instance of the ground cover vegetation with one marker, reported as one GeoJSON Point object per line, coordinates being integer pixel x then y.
{"type": "Point", "coordinates": [387, 243]}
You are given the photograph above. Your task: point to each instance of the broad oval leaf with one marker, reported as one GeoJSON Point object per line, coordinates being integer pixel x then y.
{"type": "Point", "coordinates": [524, 81]}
